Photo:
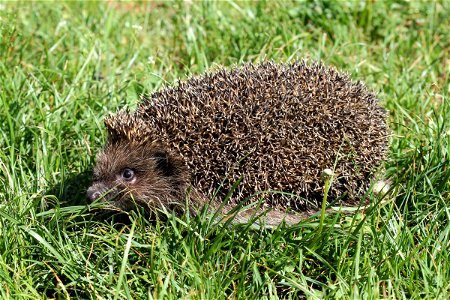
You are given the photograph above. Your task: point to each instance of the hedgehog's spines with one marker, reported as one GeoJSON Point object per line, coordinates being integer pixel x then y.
{"type": "Point", "coordinates": [127, 126]}
{"type": "Point", "coordinates": [297, 118]}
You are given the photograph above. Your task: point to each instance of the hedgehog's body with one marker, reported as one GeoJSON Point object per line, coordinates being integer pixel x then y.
{"type": "Point", "coordinates": [276, 127]}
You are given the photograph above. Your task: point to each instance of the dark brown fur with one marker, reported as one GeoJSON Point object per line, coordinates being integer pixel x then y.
{"type": "Point", "coordinates": [276, 127]}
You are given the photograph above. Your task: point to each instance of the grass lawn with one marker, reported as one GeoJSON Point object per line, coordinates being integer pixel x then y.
{"type": "Point", "coordinates": [64, 66]}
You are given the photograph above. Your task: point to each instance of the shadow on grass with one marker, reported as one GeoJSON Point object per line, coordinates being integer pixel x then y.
{"type": "Point", "coordinates": [71, 190]}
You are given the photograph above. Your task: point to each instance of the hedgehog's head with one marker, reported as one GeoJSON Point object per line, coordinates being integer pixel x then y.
{"type": "Point", "coordinates": [134, 169]}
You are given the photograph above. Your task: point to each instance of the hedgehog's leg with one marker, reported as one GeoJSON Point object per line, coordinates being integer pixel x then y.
{"type": "Point", "coordinates": [241, 215]}
{"type": "Point", "coordinates": [270, 217]}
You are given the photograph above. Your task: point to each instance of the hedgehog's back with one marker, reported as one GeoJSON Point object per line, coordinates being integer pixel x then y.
{"type": "Point", "coordinates": [277, 126]}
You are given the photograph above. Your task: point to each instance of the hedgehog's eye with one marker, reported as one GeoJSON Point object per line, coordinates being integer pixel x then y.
{"type": "Point", "coordinates": [127, 174]}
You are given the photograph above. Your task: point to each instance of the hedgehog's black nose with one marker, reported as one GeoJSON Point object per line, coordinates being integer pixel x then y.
{"type": "Point", "coordinates": [93, 194]}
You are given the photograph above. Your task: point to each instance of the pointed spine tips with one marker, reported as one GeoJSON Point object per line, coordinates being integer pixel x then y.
{"type": "Point", "coordinates": [293, 118]}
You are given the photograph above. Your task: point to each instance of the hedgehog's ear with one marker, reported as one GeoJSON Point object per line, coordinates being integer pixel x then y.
{"type": "Point", "coordinates": [167, 163]}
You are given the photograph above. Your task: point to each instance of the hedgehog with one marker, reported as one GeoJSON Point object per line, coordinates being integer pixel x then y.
{"type": "Point", "coordinates": [257, 133]}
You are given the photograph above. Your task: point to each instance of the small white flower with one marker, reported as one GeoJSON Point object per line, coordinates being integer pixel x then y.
{"type": "Point", "coordinates": [137, 27]}
{"type": "Point", "coordinates": [326, 174]}
{"type": "Point", "coordinates": [150, 60]}
{"type": "Point", "coordinates": [381, 187]}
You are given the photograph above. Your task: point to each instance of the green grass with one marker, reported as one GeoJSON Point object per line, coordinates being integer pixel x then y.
{"type": "Point", "coordinates": [64, 66]}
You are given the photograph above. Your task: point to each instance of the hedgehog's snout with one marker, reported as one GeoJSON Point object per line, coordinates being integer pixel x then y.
{"type": "Point", "coordinates": [96, 191]}
{"type": "Point", "coordinates": [93, 195]}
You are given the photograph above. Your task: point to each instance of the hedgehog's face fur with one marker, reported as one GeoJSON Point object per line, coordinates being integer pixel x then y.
{"type": "Point", "coordinates": [137, 173]}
